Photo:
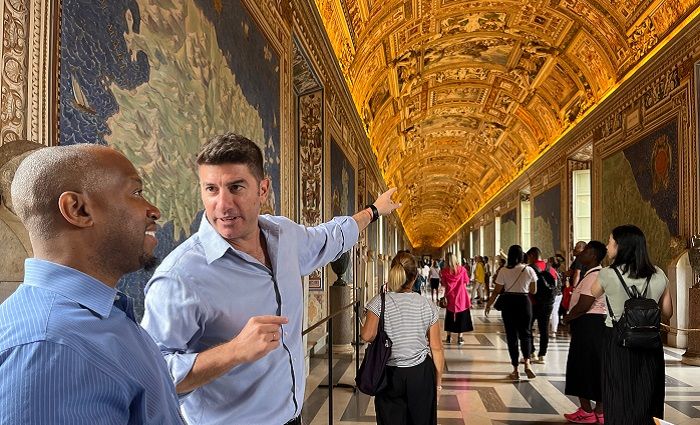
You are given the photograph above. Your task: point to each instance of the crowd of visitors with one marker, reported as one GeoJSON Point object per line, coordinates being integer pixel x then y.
{"type": "Point", "coordinates": [213, 350]}
{"type": "Point", "coordinates": [615, 369]}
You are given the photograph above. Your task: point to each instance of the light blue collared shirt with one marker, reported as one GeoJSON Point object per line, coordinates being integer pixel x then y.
{"type": "Point", "coordinates": [203, 294]}
{"type": "Point", "coordinates": [71, 353]}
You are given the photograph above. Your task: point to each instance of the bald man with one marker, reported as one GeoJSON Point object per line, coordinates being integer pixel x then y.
{"type": "Point", "coordinates": [70, 350]}
{"type": "Point", "coordinates": [577, 269]}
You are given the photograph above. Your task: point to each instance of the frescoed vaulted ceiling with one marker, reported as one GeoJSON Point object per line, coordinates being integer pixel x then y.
{"type": "Point", "coordinates": [459, 96]}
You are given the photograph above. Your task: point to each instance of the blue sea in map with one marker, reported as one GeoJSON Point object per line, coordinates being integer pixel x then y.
{"type": "Point", "coordinates": [94, 54]}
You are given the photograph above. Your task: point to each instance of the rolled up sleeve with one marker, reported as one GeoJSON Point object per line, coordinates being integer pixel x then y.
{"type": "Point", "coordinates": [171, 319]}
{"type": "Point", "coordinates": [319, 245]}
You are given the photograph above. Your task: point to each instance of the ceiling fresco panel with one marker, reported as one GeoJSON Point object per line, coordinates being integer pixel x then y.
{"type": "Point", "coordinates": [459, 96]}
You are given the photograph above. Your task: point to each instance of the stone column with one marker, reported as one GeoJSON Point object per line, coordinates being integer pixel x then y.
{"type": "Point", "coordinates": [340, 296]}
{"type": "Point", "coordinates": [692, 354]}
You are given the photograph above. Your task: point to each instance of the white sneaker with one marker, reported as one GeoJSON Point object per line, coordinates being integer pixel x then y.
{"type": "Point", "coordinates": [538, 360]}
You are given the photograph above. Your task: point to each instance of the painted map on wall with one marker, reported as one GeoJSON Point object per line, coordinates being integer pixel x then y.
{"type": "Point", "coordinates": [546, 225]}
{"type": "Point", "coordinates": [509, 229]}
{"type": "Point", "coordinates": [155, 79]}
{"type": "Point", "coordinates": [640, 187]}
{"type": "Point", "coordinates": [342, 191]}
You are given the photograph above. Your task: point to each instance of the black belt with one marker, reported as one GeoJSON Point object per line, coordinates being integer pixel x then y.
{"type": "Point", "coordinates": [295, 421]}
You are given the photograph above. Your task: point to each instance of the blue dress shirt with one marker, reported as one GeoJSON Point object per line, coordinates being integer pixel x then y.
{"type": "Point", "coordinates": [71, 353]}
{"type": "Point", "coordinates": [203, 294]}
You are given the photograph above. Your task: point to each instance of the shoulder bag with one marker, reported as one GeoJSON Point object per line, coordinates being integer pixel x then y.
{"type": "Point", "coordinates": [500, 302]}
{"type": "Point", "coordinates": [371, 378]}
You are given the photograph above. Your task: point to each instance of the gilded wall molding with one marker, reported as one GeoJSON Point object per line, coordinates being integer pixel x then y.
{"type": "Point", "coordinates": [14, 79]}
{"type": "Point", "coordinates": [27, 66]}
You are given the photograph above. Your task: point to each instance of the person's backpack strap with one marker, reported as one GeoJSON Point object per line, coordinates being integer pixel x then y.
{"type": "Point", "coordinates": [624, 285]}
{"type": "Point", "coordinates": [646, 287]}
{"type": "Point", "coordinates": [610, 310]}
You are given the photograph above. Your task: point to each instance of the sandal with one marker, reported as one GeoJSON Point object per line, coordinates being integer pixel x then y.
{"type": "Point", "coordinates": [530, 374]}
{"type": "Point", "coordinates": [515, 376]}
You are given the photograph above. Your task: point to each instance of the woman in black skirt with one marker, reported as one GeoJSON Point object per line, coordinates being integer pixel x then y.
{"type": "Point", "coordinates": [455, 280]}
{"type": "Point", "coordinates": [587, 322]}
{"type": "Point", "coordinates": [633, 379]}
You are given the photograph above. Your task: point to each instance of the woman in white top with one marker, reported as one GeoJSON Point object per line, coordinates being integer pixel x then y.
{"type": "Point", "coordinates": [633, 378]}
{"type": "Point", "coordinates": [514, 282]}
{"type": "Point", "coordinates": [434, 274]}
{"type": "Point", "coordinates": [411, 322]}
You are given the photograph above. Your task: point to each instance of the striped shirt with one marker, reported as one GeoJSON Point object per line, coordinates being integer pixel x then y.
{"type": "Point", "coordinates": [407, 318]}
{"type": "Point", "coordinates": [71, 353]}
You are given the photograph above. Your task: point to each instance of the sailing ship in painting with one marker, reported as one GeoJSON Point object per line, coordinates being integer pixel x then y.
{"type": "Point", "coordinates": [79, 99]}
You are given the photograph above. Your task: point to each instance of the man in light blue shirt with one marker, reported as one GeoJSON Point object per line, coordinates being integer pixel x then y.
{"type": "Point", "coordinates": [71, 352]}
{"type": "Point", "coordinates": [226, 306]}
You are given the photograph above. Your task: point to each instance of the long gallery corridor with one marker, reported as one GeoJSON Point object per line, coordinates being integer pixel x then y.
{"type": "Point", "coordinates": [475, 391]}
{"type": "Point", "coordinates": [231, 178]}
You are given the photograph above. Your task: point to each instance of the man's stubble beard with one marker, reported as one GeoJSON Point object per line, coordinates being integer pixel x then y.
{"type": "Point", "coordinates": [149, 262]}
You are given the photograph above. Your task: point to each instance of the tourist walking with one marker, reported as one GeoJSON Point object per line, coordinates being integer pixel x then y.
{"type": "Point", "coordinates": [457, 317]}
{"type": "Point", "coordinates": [514, 283]}
{"type": "Point", "coordinates": [414, 369]}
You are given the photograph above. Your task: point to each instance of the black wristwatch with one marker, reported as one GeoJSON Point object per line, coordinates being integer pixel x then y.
{"type": "Point", "coordinates": [375, 212]}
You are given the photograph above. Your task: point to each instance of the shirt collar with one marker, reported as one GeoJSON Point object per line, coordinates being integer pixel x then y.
{"type": "Point", "coordinates": [72, 284]}
{"type": "Point", "coordinates": [594, 269]}
{"type": "Point", "coordinates": [216, 246]}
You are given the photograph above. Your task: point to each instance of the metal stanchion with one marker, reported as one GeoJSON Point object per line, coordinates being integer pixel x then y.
{"type": "Point", "coordinates": [330, 371]}
{"type": "Point", "coordinates": [357, 340]}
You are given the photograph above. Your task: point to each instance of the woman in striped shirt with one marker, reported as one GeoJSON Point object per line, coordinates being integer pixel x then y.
{"type": "Point", "coordinates": [411, 322]}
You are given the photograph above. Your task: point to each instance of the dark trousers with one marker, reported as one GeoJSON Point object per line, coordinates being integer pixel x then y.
{"type": "Point", "coordinates": [541, 313]}
{"type": "Point", "coordinates": [410, 397]}
{"type": "Point", "coordinates": [517, 318]}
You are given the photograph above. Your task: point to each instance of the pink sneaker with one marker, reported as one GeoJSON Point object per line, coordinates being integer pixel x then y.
{"type": "Point", "coordinates": [601, 417]}
{"type": "Point", "coordinates": [580, 416]}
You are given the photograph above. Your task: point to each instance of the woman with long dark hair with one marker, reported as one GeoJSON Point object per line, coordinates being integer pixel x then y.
{"type": "Point", "coordinates": [414, 369]}
{"type": "Point", "coordinates": [514, 282]}
{"type": "Point", "coordinates": [633, 378]}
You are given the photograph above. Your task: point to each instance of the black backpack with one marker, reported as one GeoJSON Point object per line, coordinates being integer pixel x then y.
{"type": "Point", "coordinates": [546, 285]}
{"type": "Point", "coordinates": [639, 326]}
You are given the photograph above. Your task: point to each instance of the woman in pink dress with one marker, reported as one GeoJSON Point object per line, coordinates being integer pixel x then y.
{"type": "Point", "coordinates": [455, 280]}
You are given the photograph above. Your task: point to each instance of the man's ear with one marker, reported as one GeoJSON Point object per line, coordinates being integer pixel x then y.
{"type": "Point", "coordinates": [264, 189]}
{"type": "Point", "coordinates": [75, 209]}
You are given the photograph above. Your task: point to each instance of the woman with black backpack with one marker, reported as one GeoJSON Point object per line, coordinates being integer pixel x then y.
{"type": "Point", "coordinates": [633, 360]}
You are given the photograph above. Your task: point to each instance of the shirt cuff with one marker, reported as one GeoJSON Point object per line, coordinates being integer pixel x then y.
{"type": "Point", "coordinates": [180, 366]}
{"type": "Point", "coordinates": [351, 233]}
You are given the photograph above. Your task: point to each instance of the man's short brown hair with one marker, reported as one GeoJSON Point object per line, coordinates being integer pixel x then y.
{"type": "Point", "coordinates": [232, 148]}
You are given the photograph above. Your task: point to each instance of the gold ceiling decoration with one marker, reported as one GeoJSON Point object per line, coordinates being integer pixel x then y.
{"type": "Point", "coordinates": [458, 97]}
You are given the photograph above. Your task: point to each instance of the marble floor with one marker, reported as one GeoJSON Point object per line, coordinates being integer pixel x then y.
{"type": "Point", "coordinates": [475, 390]}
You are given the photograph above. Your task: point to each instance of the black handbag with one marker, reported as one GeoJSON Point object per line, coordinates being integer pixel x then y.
{"type": "Point", "coordinates": [371, 378]}
{"type": "Point", "coordinates": [500, 301]}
